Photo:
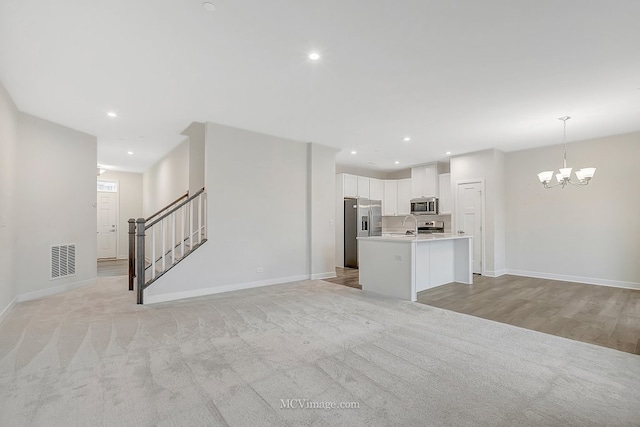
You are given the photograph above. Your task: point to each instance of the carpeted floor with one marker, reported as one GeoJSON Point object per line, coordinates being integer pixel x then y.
{"type": "Point", "coordinates": [93, 357]}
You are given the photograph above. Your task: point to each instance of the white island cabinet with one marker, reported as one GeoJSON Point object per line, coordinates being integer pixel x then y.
{"type": "Point", "coordinates": [400, 267]}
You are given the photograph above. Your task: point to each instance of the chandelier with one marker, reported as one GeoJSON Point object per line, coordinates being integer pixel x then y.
{"type": "Point", "coordinates": [583, 175]}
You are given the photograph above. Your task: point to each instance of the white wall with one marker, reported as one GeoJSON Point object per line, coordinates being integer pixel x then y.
{"type": "Point", "coordinates": [258, 189]}
{"type": "Point", "coordinates": [129, 204]}
{"type": "Point", "coordinates": [589, 234]}
{"type": "Point", "coordinates": [322, 210]}
{"type": "Point", "coordinates": [196, 134]}
{"type": "Point", "coordinates": [55, 204]}
{"type": "Point", "coordinates": [8, 162]}
{"type": "Point", "coordinates": [488, 165]}
{"type": "Point", "coordinates": [166, 180]}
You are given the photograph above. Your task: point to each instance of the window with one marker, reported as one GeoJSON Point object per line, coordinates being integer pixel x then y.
{"type": "Point", "coordinates": [109, 186]}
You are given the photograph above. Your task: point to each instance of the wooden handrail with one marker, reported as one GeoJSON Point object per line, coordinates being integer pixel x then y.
{"type": "Point", "coordinates": [168, 206]}
{"type": "Point", "coordinates": [175, 208]}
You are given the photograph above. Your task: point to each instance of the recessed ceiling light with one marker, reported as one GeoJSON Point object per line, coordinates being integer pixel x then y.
{"type": "Point", "coordinates": [314, 56]}
{"type": "Point", "coordinates": [129, 152]}
{"type": "Point", "coordinates": [397, 162]}
{"type": "Point", "coordinates": [112, 114]}
{"type": "Point", "coordinates": [447, 153]}
{"type": "Point", "coordinates": [354, 152]}
{"type": "Point", "coordinates": [406, 139]}
{"type": "Point", "coordinates": [209, 7]}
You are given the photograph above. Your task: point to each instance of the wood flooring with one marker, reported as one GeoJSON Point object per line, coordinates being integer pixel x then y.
{"type": "Point", "coordinates": [601, 315]}
{"type": "Point", "coordinates": [347, 277]}
{"type": "Point", "coordinates": [113, 267]}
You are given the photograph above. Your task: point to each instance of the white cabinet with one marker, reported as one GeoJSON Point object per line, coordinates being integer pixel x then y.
{"type": "Point", "coordinates": [446, 201]}
{"type": "Point", "coordinates": [390, 199]}
{"type": "Point", "coordinates": [397, 197]}
{"type": "Point", "coordinates": [404, 196]}
{"type": "Point", "coordinates": [376, 189]}
{"type": "Point", "coordinates": [424, 181]}
{"type": "Point", "coordinates": [349, 185]}
{"type": "Point", "coordinates": [363, 187]}
{"type": "Point", "coordinates": [354, 186]}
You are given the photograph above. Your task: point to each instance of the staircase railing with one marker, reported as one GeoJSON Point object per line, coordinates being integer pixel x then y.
{"type": "Point", "coordinates": [160, 242]}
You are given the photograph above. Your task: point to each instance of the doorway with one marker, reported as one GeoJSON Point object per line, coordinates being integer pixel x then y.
{"type": "Point", "coordinates": [469, 215]}
{"type": "Point", "coordinates": [107, 220]}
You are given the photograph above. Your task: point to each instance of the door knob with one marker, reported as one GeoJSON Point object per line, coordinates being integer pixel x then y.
{"type": "Point", "coordinates": [460, 232]}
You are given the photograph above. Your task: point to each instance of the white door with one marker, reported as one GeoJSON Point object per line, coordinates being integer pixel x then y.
{"type": "Point", "coordinates": [469, 218]}
{"type": "Point", "coordinates": [107, 224]}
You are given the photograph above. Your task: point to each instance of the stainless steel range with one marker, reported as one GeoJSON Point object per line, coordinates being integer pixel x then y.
{"type": "Point", "coordinates": [430, 227]}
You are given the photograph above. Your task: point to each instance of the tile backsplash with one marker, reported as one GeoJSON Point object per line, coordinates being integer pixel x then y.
{"type": "Point", "coordinates": [393, 224]}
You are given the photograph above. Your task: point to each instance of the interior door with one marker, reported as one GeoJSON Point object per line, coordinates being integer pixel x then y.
{"type": "Point", "coordinates": [107, 224]}
{"type": "Point", "coordinates": [469, 218]}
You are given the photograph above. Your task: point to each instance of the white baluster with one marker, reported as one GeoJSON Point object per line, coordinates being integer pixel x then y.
{"type": "Point", "coordinates": [164, 249]}
{"type": "Point", "coordinates": [191, 225]}
{"type": "Point", "coordinates": [173, 238]}
{"type": "Point", "coordinates": [200, 218]}
{"type": "Point", "coordinates": [182, 225]}
{"type": "Point", "coordinates": [153, 252]}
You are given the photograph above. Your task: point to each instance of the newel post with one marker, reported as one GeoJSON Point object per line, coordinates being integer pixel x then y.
{"type": "Point", "coordinates": [132, 252]}
{"type": "Point", "coordinates": [140, 257]}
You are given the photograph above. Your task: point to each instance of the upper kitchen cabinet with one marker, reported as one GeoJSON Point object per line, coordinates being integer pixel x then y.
{"type": "Point", "coordinates": [363, 187]}
{"type": "Point", "coordinates": [376, 189]}
{"type": "Point", "coordinates": [404, 196]}
{"type": "Point", "coordinates": [390, 199]}
{"type": "Point", "coordinates": [425, 180]}
{"type": "Point", "coordinates": [446, 201]}
{"type": "Point", "coordinates": [354, 186]}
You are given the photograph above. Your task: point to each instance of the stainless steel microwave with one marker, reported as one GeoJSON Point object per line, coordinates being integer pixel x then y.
{"type": "Point", "coordinates": [424, 206]}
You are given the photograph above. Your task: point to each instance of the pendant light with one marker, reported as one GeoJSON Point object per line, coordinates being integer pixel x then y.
{"type": "Point", "coordinates": [583, 175]}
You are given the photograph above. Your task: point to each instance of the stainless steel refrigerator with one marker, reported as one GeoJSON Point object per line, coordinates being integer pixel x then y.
{"type": "Point", "coordinates": [362, 218]}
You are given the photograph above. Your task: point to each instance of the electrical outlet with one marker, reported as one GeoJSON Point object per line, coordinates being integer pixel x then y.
{"type": "Point", "coordinates": [259, 270]}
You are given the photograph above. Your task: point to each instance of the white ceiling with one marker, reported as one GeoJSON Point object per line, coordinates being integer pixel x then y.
{"type": "Point", "coordinates": [453, 75]}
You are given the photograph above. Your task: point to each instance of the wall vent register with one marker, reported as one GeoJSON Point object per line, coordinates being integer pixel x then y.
{"type": "Point", "coordinates": [63, 261]}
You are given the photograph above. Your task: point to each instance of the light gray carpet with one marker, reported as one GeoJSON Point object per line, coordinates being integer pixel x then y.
{"type": "Point", "coordinates": [92, 357]}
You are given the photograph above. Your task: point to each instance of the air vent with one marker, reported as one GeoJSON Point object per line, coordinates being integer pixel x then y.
{"type": "Point", "coordinates": [63, 261]}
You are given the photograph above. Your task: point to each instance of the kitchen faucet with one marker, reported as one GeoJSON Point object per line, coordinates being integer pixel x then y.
{"type": "Point", "coordinates": [415, 232]}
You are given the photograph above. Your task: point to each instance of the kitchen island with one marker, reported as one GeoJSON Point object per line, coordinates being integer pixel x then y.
{"type": "Point", "coordinates": [400, 266]}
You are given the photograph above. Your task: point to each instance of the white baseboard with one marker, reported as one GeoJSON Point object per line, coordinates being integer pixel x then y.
{"type": "Point", "coordinates": [153, 299]}
{"type": "Point", "coordinates": [5, 312]}
{"type": "Point", "coordinates": [497, 273]}
{"type": "Point", "coordinates": [576, 279]}
{"type": "Point", "coordinates": [326, 275]}
{"type": "Point", "coordinates": [55, 290]}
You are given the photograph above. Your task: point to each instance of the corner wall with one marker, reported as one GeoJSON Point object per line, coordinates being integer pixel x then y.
{"type": "Point", "coordinates": [166, 180]}
{"type": "Point", "coordinates": [55, 204]}
{"type": "Point", "coordinates": [260, 191]}
{"type": "Point", "coordinates": [589, 234]}
{"type": "Point", "coordinates": [8, 163]}
{"type": "Point", "coordinates": [196, 134]}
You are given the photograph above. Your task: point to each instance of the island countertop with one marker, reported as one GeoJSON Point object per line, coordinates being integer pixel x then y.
{"type": "Point", "coordinates": [400, 266]}
{"type": "Point", "coordinates": [409, 238]}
